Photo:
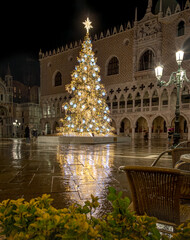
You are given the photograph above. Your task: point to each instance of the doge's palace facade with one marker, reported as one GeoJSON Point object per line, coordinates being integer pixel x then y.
{"type": "Point", "coordinates": [127, 58]}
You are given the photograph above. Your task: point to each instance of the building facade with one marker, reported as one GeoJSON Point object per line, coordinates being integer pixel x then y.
{"type": "Point", "coordinates": [19, 107]}
{"type": "Point", "coordinates": [127, 58]}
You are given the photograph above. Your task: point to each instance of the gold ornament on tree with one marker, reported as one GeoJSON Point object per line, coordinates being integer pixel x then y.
{"type": "Point", "coordinates": [87, 112]}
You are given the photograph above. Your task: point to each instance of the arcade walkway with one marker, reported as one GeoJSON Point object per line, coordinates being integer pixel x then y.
{"type": "Point", "coordinates": [71, 172]}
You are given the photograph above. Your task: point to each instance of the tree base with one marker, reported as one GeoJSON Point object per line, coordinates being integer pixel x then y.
{"type": "Point", "coordinates": [82, 139]}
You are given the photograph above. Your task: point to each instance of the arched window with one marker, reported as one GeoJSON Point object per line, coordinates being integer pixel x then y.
{"type": "Point", "coordinates": [146, 100]}
{"type": "Point", "coordinates": [155, 98]}
{"type": "Point", "coordinates": [185, 95]}
{"type": "Point", "coordinates": [113, 66]}
{"type": "Point", "coordinates": [181, 29]}
{"type": "Point", "coordinates": [58, 79]}
{"type": "Point", "coordinates": [186, 48]}
{"type": "Point", "coordinates": [129, 101]}
{"type": "Point", "coordinates": [115, 102]}
{"type": "Point", "coordinates": [138, 100]}
{"type": "Point", "coordinates": [164, 98]}
{"type": "Point", "coordinates": [122, 102]}
{"type": "Point", "coordinates": [146, 61]}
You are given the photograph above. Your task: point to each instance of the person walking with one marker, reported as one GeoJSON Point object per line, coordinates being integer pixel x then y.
{"type": "Point", "coordinates": [146, 136]}
{"type": "Point", "coordinates": [34, 135]}
{"type": "Point", "coordinates": [27, 134]}
{"type": "Point", "coordinates": [169, 135]}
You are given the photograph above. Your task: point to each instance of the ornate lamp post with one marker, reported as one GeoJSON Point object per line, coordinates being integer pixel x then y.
{"type": "Point", "coordinates": [176, 78]}
{"type": "Point", "coordinates": [16, 124]}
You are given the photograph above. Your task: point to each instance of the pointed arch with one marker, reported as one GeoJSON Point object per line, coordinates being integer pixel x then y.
{"type": "Point", "coordinates": [164, 98]}
{"type": "Point", "coordinates": [55, 127]}
{"type": "Point", "coordinates": [181, 28]}
{"type": "Point", "coordinates": [146, 60]}
{"type": "Point", "coordinates": [57, 79]}
{"type": "Point", "coordinates": [138, 100]}
{"type": "Point", "coordinates": [122, 102]}
{"type": "Point", "coordinates": [129, 101]}
{"type": "Point", "coordinates": [141, 125]}
{"type": "Point", "coordinates": [125, 126]}
{"type": "Point", "coordinates": [183, 125]}
{"type": "Point", "coordinates": [159, 127]}
{"type": "Point", "coordinates": [155, 98]}
{"type": "Point", "coordinates": [173, 97]}
{"type": "Point", "coordinates": [113, 66]}
{"type": "Point", "coordinates": [108, 102]}
{"type": "Point", "coordinates": [146, 99]}
{"type": "Point", "coordinates": [186, 49]}
{"type": "Point", "coordinates": [47, 128]}
{"type": "Point", "coordinates": [115, 102]}
{"type": "Point", "coordinates": [185, 95]}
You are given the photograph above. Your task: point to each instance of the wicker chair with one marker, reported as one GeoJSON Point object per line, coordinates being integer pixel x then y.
{"type": "Point", "coordinates": [156, 192]}
{"type": "Point", "coordinates": [185, 187]}
{"type": "Point", "coordinates": [183, 144]}
{"type": "Point", "coordinates": [176, 153]}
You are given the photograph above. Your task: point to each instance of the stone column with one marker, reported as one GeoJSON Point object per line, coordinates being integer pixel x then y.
{"type": "Point", "coordinates": [188, 136]}
{"type": "Point", "coordinates": [118, 130]}
{"type": "Point", "coordinates": [133, 133]}
{"type": "Point", "coordinates": [133, 105]}
{"type": "Point", "coordinates": [149, 132]}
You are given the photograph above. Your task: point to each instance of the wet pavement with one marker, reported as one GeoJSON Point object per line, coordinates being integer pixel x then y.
{"type": "Point", "coordinates": [71, 173]}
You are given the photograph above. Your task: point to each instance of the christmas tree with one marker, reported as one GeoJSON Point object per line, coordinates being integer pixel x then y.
{"type": "Point", "coordinates": [87, 111]}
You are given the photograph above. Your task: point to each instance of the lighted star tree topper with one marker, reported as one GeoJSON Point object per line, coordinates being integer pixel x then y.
{"type": "Point", "coordinates": [87, 112]}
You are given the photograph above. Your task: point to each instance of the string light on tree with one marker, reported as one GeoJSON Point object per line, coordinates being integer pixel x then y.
{"type": "Point", "coordinates": [87, 112]}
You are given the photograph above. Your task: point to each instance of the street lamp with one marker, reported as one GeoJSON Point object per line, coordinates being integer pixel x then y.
{"type": "Point", "coordinates": [16, 124]}
{"type": "Point", "coordinates": [176, 78]}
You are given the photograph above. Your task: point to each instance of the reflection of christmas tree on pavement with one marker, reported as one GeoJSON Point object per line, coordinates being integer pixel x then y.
{"type": "Point", "coordinates": [87, 111]}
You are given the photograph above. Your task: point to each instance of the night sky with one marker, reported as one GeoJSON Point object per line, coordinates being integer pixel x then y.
{"type": "Point", "coordinates": [28, 26]}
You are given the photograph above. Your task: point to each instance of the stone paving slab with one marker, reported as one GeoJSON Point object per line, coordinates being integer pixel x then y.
{"type": "Point", "coordinates": [71, 173]}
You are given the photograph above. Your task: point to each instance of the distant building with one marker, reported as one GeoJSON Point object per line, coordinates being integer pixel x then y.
{"type": "Point", "coordinates": [127, 57]}
{"type": "Point", "coordinates": [19, 106]}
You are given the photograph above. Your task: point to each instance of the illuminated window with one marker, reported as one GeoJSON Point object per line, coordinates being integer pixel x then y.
{"type": "Point", "coordinates": [113, 66]}
{"type": "Point", "coordinates": [58, 79]}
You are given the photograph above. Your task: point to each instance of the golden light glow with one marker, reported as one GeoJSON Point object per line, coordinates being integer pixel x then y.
{"type": "Point", "coordinates": [87, 25]}
{"type": "Point", "coordinates": [86, 113]}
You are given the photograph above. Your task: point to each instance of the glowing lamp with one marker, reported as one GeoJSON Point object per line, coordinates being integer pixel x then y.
{"type": "Point", "coordinates": [159, 72]}
{"type": "Point", "coordinates": [179, 57]}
